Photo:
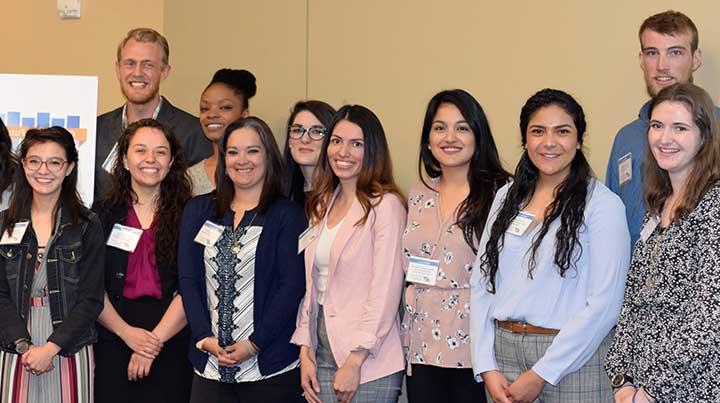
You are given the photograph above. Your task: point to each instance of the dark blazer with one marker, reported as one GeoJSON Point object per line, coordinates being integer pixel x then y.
{"type": "Point", "coordinates": [116, 267]}
{"type": "Point", "coordinates": [75, 277]}
{"type": "Point", "coordinates": [279, 280]}
{"type": "Point", "coordinates": [185, 126]}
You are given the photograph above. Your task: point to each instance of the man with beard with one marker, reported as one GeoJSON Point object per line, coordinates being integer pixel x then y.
{"type": "Point", "coordinates": [142, 63]}
{"type": "Point", "coordinates": [669, 54]}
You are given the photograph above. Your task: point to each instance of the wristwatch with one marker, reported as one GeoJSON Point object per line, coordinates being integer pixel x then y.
{"type": "Point", "coordinates": [22, 346]}
{"type": "Point", "coordinates": [619, 380]}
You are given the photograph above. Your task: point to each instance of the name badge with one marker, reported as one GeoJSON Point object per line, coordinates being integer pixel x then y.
{"type": "Point", "coordinates": [209, 233]}
{"type": "Point", "coordinates": [625, 168]}
{"type": "Point", "coordinates": [306, 237]}
{"type": "Point", "coordinates": [125, 238]}
{"type": "Point", "coordinates": [520, 223]}
{"type": "Point", "coordinates": [422, 270]}
{"type": "Point", "coordinates": [110, 160]}
{"type": "Point", "coordinates": [17, 235]}
{"type": "Point", "coordinates": [649, 228]}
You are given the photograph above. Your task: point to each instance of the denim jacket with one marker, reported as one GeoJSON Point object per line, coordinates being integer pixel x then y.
{"type": "Point", "coordinates": [75, 283]}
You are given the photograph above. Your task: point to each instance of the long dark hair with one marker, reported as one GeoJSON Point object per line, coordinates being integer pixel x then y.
{"type": "Point", "coordinates": [274, 168]}
{"type": "Point", "coordinates": [22, 195]}
{"type": "Point", "coordinates": [175, 190]}
{"type": "Point", "coordinates": [8, 159]}
{"type": "Point", "coordinates": [570, 195]}
{"type": "Point", "coordinates": [376, 175]}
{"type": "Point", "coordinates": [295, 180]}
{"type": "Point", "coordinates": [485, 175]}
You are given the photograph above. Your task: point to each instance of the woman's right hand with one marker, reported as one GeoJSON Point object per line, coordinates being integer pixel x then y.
{"type": "Point", "coordinates": [212, 346]}
{"type": "Point", "coordinates": [141, 341]}
{"type": "Point", "coordinates": [497, 386]}
{"type": "Point", "coordinates": [308, 375]}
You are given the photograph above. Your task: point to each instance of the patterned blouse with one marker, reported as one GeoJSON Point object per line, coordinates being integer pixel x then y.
{"type": "Point", "coordinates": [668, 336]}
{"type": "Point", "coordinates": [436, 324]}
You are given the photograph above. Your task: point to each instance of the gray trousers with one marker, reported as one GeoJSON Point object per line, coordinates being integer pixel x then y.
{"type": "Point", "coordinates": [516, 353]}
{"type": "Point", "coordinates": [383, 390]}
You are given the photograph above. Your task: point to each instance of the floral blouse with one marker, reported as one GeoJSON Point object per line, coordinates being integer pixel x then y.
{"type": "Point", "coordinates": [436, 324]}
{"type": "Point", "coordinates": [668, 336]}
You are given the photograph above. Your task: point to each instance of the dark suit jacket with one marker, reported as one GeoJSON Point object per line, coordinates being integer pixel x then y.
{"type": "Point", "coordinates": [185, 126]}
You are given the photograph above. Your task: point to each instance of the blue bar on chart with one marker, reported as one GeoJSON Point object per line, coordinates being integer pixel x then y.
{"type": "Point", "coordinates": [13, 119]}
{"type": "Point", "coordinates": [28, 122]}
{"type": "Point", "coordinates": [73, 122]}
{"type": "Point", "coordinates": [43, 119]}
{"type": "Point", "coordinates": [58, 122]}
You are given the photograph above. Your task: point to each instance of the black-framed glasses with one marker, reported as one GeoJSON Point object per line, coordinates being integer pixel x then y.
{"type": "Point", "coordinates": [316, 132]}
{"type": "Point", "coordinates": [52, 164]}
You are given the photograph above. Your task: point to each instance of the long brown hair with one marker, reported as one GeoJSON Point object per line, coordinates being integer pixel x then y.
{"type": "Point", "coordinates": [376, 176]}
{"type": "Point", "coordinates": [175, 190]}
{"type": "Point", "coordinates": [706, 168]}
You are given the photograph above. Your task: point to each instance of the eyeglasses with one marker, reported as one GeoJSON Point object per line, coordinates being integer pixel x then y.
{"type": "Point", "coordinates": [52, 164]}
{"type": "Point", "coordinates": [314, 132]}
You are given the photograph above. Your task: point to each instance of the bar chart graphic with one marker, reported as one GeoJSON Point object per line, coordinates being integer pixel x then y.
{"type": "Point", "coordinates": [19, 123]}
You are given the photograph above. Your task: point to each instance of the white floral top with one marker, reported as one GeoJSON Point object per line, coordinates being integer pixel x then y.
{"type": "Point", "coordinates": [436, 324]}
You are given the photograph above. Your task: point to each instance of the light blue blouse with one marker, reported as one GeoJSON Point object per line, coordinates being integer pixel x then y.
{"type": "Point", "coordinates": [584, 305]}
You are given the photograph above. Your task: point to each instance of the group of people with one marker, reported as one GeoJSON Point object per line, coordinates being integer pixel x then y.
{"type": "Point", "coordinates": [213, 267]}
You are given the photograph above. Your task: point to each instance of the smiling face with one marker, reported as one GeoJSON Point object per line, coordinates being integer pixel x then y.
{"type": "Point", "coordinates": [305, 151]}
{"type": "Point", "coordinates": [245, 160]}
{"type": "Point", "coordinates": [346, 151]}
{"type": "Point", "coordinates": [451, 140]}
{"type": "Point", "coordinates": [148, 158]}
{"type": "Point", "coordinates": [674, 139]}
{"type": "Point", "coordinates": [140, 71]}
{"type": "Point", "coordinates": [552, 142]}
{"type": "Point", "coordinates": [667, 59]}
{"type": "Point", "coordinates": [47, 179]}
{"type": "Point", "coordinates": [219, 106]}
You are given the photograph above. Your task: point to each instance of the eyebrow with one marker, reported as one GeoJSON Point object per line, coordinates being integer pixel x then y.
{"type": "Point", "coordinates": [562, 126]}
{"type": "Point", "coordinates": [443, 122]}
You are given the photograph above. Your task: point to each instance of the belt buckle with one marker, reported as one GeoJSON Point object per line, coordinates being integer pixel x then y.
{"type": "Point", "coordinates": [524, 327]}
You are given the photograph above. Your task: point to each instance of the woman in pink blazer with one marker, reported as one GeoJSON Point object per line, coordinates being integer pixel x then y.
{"type": "Point", "coordinates": [348, 324]}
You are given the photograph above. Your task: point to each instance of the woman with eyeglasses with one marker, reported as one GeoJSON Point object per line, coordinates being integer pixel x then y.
{"type": "Point", "coordinates": [141, 354]}
{"type": "Point", "coordinates": [307, 127]}
{"type": "Point", "coordinates": [224, 100]}
{"type": "Point", "coordinates": [51, 277]}
{"type": "Point", "coordinates": [241, 277]}
{"type": "Point", "coordinates": [8, 165]}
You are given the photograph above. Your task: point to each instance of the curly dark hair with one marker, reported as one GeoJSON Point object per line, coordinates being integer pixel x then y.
{"type": "Point", "coordinates": [175, 190]}
{"type": "Point", "coordinates": [8, 159]}
{"type": "Point", "coordinates": [486, 174]}
{"type": "Point", "coordinates": [570, 195]}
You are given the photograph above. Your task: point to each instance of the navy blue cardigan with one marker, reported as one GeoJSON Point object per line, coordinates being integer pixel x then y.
{"type": "Point", "coordinates": [279, 280]}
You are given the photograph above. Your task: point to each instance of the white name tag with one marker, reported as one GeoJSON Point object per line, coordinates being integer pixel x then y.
{"type": "Point", "coordinates": [17, 235]}
{"type": "Point", "coordinates": [125, 238]}
{"type": "Point", "coordinates": [520, 224]}
{"type": "Point", "coordinates": [625, 168]}
{"type": "Point", "coordinates": [110, 160]}
{"type": "Point", "coordinates": [649, 228]}
{"type": "Point", "coordinates": [209, 233]}
{"type": "Point", "coordinates": [422, 271]}
{"type": "Point", "coordinates": [306, 237]}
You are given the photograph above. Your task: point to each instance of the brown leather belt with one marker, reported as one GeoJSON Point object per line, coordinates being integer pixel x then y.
{"type": "Point", "coordinates": [522, 327]}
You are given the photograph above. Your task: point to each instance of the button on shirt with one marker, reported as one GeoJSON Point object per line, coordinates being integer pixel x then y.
{"type": "Point", "coordinates": [584, 304]}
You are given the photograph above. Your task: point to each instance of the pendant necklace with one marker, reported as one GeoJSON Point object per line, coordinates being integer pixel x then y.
{"type": "Point", "coordinates": [235, 248]}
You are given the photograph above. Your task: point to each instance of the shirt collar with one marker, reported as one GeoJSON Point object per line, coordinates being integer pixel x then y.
{"type": "Point", "coordinates": [155, 113]}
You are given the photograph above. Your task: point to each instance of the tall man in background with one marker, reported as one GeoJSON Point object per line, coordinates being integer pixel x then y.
{"type": "Point", "coordinates": [142, 64]}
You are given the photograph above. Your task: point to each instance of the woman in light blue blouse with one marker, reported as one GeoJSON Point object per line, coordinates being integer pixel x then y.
{"type": "Point", "coordinates": [549, 278]}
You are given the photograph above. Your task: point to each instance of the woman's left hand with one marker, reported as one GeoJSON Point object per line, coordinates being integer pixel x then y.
{"type": "Point", "coordinates": [38, 359]}
{"type": "Point", "coordinates": [139, 367]}
{"type": "Point", "coordinates": [347, 380]}
{"type": "Point", "coordinates": [527, 387]}
{"type": "Point", "coordinates": [240, 351]}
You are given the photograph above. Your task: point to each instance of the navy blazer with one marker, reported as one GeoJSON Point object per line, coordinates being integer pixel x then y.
{"type": "Point", "coordinates": [279, 280]}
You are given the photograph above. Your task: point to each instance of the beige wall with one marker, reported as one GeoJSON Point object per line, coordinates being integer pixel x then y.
{"type": "Point", "coordinates": [389, 55]}
{"type": "Point", "coordinates": [36, 41]}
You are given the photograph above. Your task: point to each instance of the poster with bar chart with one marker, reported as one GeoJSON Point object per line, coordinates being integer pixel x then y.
{"type": "Point", "coordinates": [35, 101]}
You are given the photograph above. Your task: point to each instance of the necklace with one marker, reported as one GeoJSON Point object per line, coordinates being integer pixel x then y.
{"type": "Point", "coordinates": [236, 245]}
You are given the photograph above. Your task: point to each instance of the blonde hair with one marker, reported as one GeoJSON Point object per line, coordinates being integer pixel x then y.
{"type": "Point", "coordinates": [147, 35]}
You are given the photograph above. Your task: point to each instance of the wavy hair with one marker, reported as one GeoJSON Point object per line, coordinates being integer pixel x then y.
{"type": "Point", "coordinates": [706, 163]}
{"type": "Point", "coordinates": [175, 189]}
{"type": "Point", "coordinates": [376, 176]}
{"type": "Point", "coordinates": [570, 195]}
{"type": "Point", "coordinates": [485, 174]}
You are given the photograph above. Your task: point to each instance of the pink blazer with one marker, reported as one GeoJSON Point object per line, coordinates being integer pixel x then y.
{"type": "Point", "coordinates": [365, 281]}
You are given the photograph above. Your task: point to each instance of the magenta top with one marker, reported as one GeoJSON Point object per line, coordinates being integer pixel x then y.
{"type": "Point", "coordinates": [142, 278]}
